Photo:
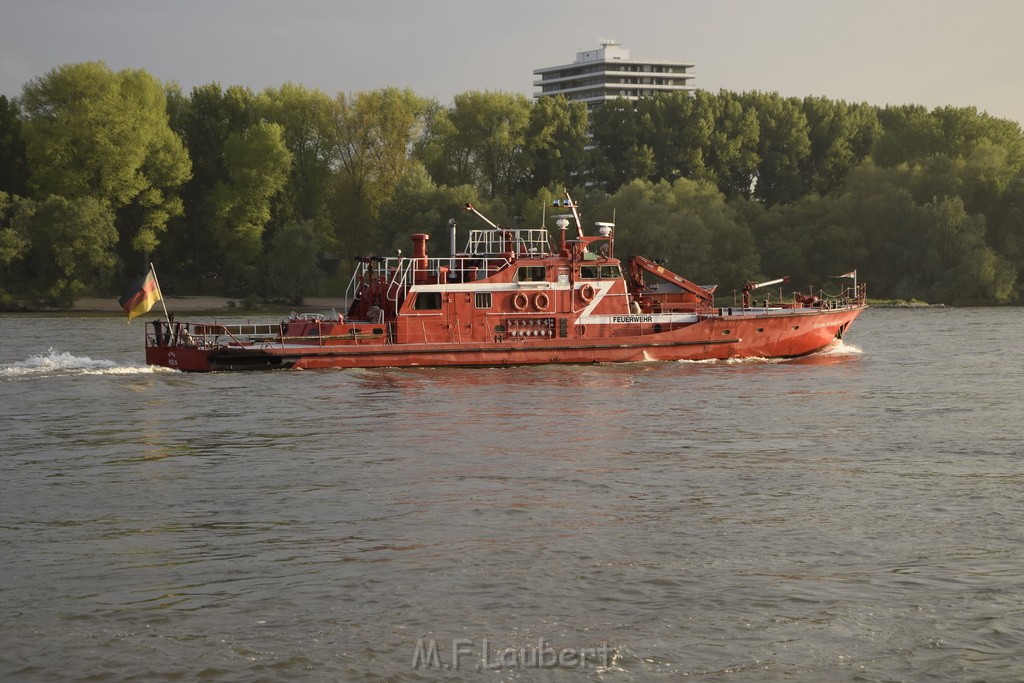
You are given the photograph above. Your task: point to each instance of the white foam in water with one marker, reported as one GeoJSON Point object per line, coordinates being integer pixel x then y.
{"type": "Point", "coordinates": [836, 349]}
{"type": "Point", "coordinates": [63, 363]}
{"type": "Point", "coordinates": [840, 348]}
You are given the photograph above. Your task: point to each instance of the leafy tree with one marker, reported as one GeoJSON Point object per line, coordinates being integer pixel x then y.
{"type": "Point", "coordinates": [680, 132]}
{"type": "Point", "coordinates": [935, 251]}
{"type": "Point", "coordinates": [374, 132]}
{"type": "Point", "coordinates": [1006, 225]}
{"type": "Point", "coordinates": [731, 152]}
{"type": "Point", "coordinates": [783, 145]}
{"type": "Point", "coordinates": [422, 206]}
{"type": "Point", "coordinates": [205, 120]}
{"type": "Point", "coordinates": [306, 117]}
{"type": "Point", "coordinates": [257, 162]}
{"type": "Point", "coordinates": [621, 134]}
{"type": "Point", "coordinates": [71, 246]}
{"type": "Point", "coordinates": [687, 223]}
{"type": "Point", "coordinates": [912, 134]}
{"type": "Point", "coordinates": [556, 141]}
{"type": "Point", "coordinates": [92, 133]}
{"type": "Point", "coordinates": [291, 262]}
{"type": "Point", "coordinates": [13, 162]}
{"type": "Point", "coordinates": [14, 238]}
{"type": "Point", "coordinates": [841, 136]}
{"type": "Point", "coordinates": [479, 140]}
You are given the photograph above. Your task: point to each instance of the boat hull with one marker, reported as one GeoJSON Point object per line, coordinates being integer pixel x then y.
{"type": "Point", "coordinates": [771, 335]}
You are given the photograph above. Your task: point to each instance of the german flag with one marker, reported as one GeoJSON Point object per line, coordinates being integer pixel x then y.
{"type": "Point", "coordinates": [141, 296]}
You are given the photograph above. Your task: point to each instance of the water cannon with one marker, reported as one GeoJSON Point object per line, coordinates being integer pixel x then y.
{"type": "Point", "coordinates": [472, 210]}
{"type": "Point", "coordinates": [751, 286]}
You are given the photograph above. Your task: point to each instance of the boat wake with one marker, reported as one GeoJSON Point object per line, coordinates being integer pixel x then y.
{"type": "Point", "coordinates": [839, 348]}
{"type": "Point", "coordinates": [834, 352]}
{"type": "Point", "coordinates": [63, 363]}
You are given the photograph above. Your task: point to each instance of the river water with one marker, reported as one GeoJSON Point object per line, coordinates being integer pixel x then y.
{"type": "Point", "coordinates": [852, 516]}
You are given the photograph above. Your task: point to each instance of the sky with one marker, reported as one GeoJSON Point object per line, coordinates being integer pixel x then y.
{"type": "Point", "coordinates": [929, 52]}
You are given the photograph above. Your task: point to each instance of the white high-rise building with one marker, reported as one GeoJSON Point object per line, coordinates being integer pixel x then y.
{"type": "Point", "coordinates": [606, 73]}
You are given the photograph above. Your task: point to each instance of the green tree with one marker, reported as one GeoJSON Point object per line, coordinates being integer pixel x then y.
{"type": "Point", "coordinates": [13, 161]}
{"type": "Point", "coordinates": [1006, 225]}
{"type": "Point", "coordinates": [934, 251]}
{"type": "Point", "coordinates": [783, 145]}
{"type": "Point", "coordinates": [92, 133]}
{"type": "Point", "coordinates": [204, 120]}
{"type": "Point", "coordinates": [374, 133]}
{"type": "Point", "coordinates": [306, 117]}
{"type": "Point", "coordinates": [420, 205]}
{"type": "Point", "coordinates": [71, 246]}
{"type": "Point", "coordinates": [480, 140]}
{"type": "Point", "coordinates": [731, 153]}
{"type": "Point", "coordinates": [292, 261]}
{"type": "Point", "coordinates": [687, 223]}
{"type": "Point", "coordinates": [841, 136]}
{"type": "Point", "coordinates": [556, 141]}
{"type": "Point", "coordinates": [621, 151]}
{"type": "Point", "coordinates": [679, 134]}
{"type": "Point", "coordinates": [14, 238]}
{"type": "Point", "coordinates": [257, 162]}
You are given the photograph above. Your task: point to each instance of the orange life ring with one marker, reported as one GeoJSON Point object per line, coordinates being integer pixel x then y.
{"type": "Point", "coordinates": [520, 301]}
{"type": "Point", "coordinates": [541, 301]}
{"type": "Point", "coordinates": [587, 293]}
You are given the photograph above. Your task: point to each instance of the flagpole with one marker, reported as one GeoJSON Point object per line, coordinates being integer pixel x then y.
{"type": "Point", "coordinates": [159, 291]}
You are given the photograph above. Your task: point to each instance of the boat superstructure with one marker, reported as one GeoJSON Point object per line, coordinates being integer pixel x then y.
{"type": "Point", "coordinates": [515, 296]}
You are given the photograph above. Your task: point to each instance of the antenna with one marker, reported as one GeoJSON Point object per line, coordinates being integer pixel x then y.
{"type": "Point", "coordinates": [575, 213]}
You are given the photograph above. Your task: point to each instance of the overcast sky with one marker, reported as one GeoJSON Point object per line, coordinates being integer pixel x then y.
{"type": "Point", "coordinates": [930, 52]}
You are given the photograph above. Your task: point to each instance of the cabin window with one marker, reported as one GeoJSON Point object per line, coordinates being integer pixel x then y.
{"type": "Point", "coordinates": [531, 274]}
{"type": "Point", "coordinates": [427, 301]}
{"type": "Point", "coordinates": [611, 271]}
{"type": "Point", "coordinates": [590, 272]}
{"type": "Point", "coordinates": [483, 299]}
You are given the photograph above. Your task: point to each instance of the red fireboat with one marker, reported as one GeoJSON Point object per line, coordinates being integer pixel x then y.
{"type": "Point", "coordinates": [515, 298]}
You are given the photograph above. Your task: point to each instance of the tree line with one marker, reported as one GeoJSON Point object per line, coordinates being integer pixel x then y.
{"type": "Point", "coordinates": [273, 194]}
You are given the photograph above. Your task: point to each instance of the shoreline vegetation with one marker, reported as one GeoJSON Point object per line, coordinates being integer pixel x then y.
{"type": "Point", "coordinates": [275, 195]}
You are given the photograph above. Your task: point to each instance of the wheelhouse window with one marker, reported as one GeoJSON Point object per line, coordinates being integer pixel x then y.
{"type": "Point", "coordinates": [483, 299]}
{"type": "Point", "coordinates": [611, 272]}
{"type": "Point", "coordinates": [590, 272]}
{"type": "Point", "coordinates": [427, 301]}
{"type": "Point", "coordinates": [530, 274]}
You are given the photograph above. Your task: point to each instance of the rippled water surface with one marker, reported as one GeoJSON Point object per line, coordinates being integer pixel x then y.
{"type": "Point", "coordinates": [851, 516]}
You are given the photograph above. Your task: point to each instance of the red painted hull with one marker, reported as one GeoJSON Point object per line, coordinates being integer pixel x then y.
{"type": "Point", "coordinates": [774, 335]}
{"type": "Point", "coordinates": [514, 298]}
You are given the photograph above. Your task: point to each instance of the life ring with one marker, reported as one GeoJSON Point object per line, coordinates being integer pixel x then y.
{"type": "Point", "coordinates": [520, 301]}
{"type": "Point", "coordinates": [587, 293]}
{"type": "Point", "coordinates": [541, 301]}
